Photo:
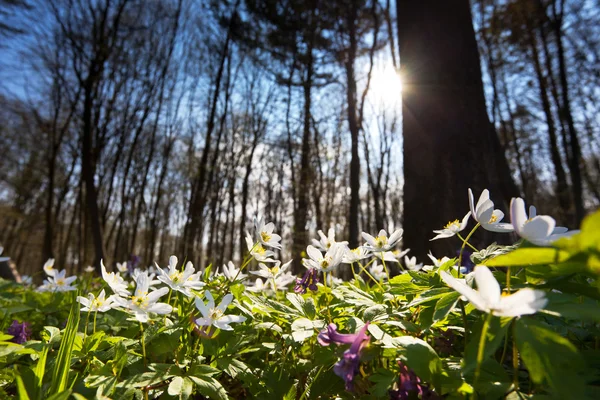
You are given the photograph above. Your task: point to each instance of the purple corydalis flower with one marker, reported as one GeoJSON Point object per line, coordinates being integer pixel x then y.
{"type": "Point", "coordinates": [410, 386]}
{"type": "Point", "coordinates": [309, 280]}
{"type": "Point", "coordinates": [20, 331]}
{"type": "Point", "coordinates": [347, 367]}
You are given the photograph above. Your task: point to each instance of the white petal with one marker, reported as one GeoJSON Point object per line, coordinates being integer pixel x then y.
{"type": "Point", "coordinates": [225, 302]}
{"type": "Point", "coordinates": [160, 308]}
{"type": "Point", "coordinates": [502, 227]}
{"type": "Point", "coordinates": [467, 291]}
{"type": "Point", "coordinates": [485, 196]}
{"type": "Point", "coordinates": [487, 286]}
{"type": "Point", "coordinates": [444, 233]}
{"type": "Point", "coordinates": [396, 236]}
{"type": "Point", "coordinates": [465, 220]}
{"type": "Point", "coordinates": [370, 239]}
{"type": "Point", "coordinates": [202, 307]}
{"type": "Point", "coordinates": [314, 253]}
{"type": "Point", "coordinates": [518, 217]}
{"type": "Point", "coordinates": [524, 302]}
{"type": "Point", "coordinates": [538, 228]}
{"type": "Point", "coordinates": [204, 321]}
{"type": "Point", "coordinates": [472, 205]}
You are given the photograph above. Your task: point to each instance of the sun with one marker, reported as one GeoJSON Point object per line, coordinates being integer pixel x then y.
{"type": "Point", "coordinates": [386, 86]}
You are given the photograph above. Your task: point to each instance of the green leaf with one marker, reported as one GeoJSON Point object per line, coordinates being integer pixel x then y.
{"type": "Point", "coordinates": [444, 305]}
{"type": "Point", "coordinates": [419, 356]}
{"type": "Point", "coordinates": [63, 359]}
{"type": "Point", "coordinates": [526, 256]}
{"type": "Point", "coordinates": [551, 359]}
{"type": "Point", "coordinates": [302, 329]}
{"type": "Point", "coordinates": [22, 392]}
{"type": "Point", "coordinates": [181, 387]}
{"type": "Point", "coordinates": [497, 330]}
{"type": "Point", "coordinates": [209, 386]}
{"type": "Point", "coordinates": [383, 380]}
{"type": "Point", "coordinates": [64, 395]}
{"type": "Point", "coordinates": [573, 307]}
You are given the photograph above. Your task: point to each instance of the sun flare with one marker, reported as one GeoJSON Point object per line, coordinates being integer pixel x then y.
{"type": "Point", "coordinates": [386, 86]}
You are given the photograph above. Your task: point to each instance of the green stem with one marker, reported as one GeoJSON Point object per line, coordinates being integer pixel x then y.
{"type": "Point", "coordinates": [371, 276]}
{"type": "Point", "coordinates": [508, 280]}
{"type": "Point", "coordinates": [466, 243]}
{"type": "Point", "coordinates": [143, 341]}
{"type": "Point", "coordinates": [480, 350]}
{"type": "Point", "coordinates": [95, 315]}
{"type": "Point", "coordinates": [87, 319]}
{"type": "Point", "coordinates": [387, 273]}
{"type": "Point", "coordinates": [462, 248]}
{"type": "Point", "coordinates": [515, 360]}
{"type": "Point", "coordinates": [464, 318]}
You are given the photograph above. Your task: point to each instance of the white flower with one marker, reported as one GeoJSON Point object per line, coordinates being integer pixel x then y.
{"type": "Point", "coordinates": [180, 281]}
{"type": "Point", "coordinates": [377, 271]}
{"type": "Point", "coordinates": [282, 280]}
{"type": "Point", "coordinates": [122, 267]}
{"type": "Point", "coordinates": [354, 255]}
{"type": "Point", "coordinates": [411, 263]}
{"type": "Point", "coordinates": [49, 267]}
{"type": "Point", "coordinates": [259, 286]}
{"type": "Point", "coordinates": [93, 303]}
{"type": "Point", "coordinates": [114, 281]}
{"type": "Point", "coordinates": [215, 316]}
{"type": "Point", "coordinates": [326, 262]}
{"type": "Point", "coordinates": [391, 256]}
{"type": "Point", "coordinates": [143, 302]}
{"type": "Point", "coordinates": [452, 228]}
{"type": "Point", "coordinates": [538, 229]}
{"type": "Point", "coordinates": [89, 269]}
{"type": "Point", "coordinates": [271, 273]}
{"type": "Point", "coordinates": [257, 251]}
{"type": "Point", "coordinates": [58, 282]}
{"type": "Point", "coordinates": [484, 213]}
{"type": "Point", "coordinates": [149, 272]}
{"type": "Point", "coordinates": [26, 280]}
{"type": "Point", "coordinates": [230, 271]}
{"type": "Point", "coordinates": [325, 242]}
{"type": "Point", "coordinates": [382, 242]}
{"type": "Point", "coordinates": [488, 296]}
{"type": "Point", "coordinates": [265, 233]}
{"type": "Point", "coordinates": [436, 262]}
{"type": "Point", "coordinates": [333, 281]}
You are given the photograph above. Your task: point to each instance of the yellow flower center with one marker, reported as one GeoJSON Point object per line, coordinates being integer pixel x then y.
{"type": "Point", "coordinates": [324, 263]}
{"type": "Point", "coordinates": [259, 249]}
{"type": "Point", "coordinates": [452, 224]}
{"type": "Point", "coordinates": [381, 241]}
{"type": "Point", "coordinates": [265, 236]}
{"type": "Point", "coordinates": [96, 303]}
{"type": "Point", "coordinates": [215, 313]}
{"type": "Point", "coordinates": [493, 219]}
{"type": "Point", "coordinates": [60, 282]}
{"type": "Point", "coordinates": [176, 276]}
{"type": "Point", "coordinates": [275, 270]}
{"type": "Point", "coordinates": [140, 301]}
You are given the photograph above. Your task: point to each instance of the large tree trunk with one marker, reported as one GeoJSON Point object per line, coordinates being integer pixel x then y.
{"type": "Point", "coordinates": [449, 143]}
{"type": "Point", "coordinates": [353, 125]}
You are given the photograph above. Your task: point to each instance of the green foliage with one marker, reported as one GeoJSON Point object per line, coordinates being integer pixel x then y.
{"type": "Point", "coordinates": [417, 323]}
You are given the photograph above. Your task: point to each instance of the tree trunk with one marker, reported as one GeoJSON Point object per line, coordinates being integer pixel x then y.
{"type": "Point", "coordinates": [449, 143]}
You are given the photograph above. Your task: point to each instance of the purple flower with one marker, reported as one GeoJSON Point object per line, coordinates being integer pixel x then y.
{"type": "Point", "coordinates": [466, 260]}
{"type": "Point", "coordinates": [20, 331]}
{"type": "Point", "coordinates": [309, 280]}
{"type": "Point", "coordinates": [347, 367]}
{"type": "Point", "coordinates": [133, 263]}
{"type": "Point", "coordinates": [410, 386]}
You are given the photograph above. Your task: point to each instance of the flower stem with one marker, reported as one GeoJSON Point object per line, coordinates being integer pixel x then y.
{"type": "Point", "coordinates": [95, 315]}
{"type": "Point", "coordinates": [462, 248]}
{"type": "Point", "coordinates": [515, 356]}
{"type": "Point", "coordinates": [371, 276]}
{"type": "Point", "coordinates": [87, 319]}
{"type": "Point", "coordinates": [480, 350]}
{"type": "Point", "coordinates": [143, 342]}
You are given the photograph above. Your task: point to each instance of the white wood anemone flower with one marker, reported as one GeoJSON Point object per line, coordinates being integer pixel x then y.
{"type": "Point", "coordinates": [257, 251]}
{"type": "Point", "coordinates": [411, 263]}
{"type": "Point", "coordinates": [116, 283]}
{"type": "Point", "coordinates": [488, 296]}
{"type": "Point", "coordinates": [325, 242]}
{"type": "Point", "coordinates": [143, 302]}
{"type": "Point", "coordinates": [215, 316]}
{"type": "Point", "coordinates": [537, 229]}
{"type": "Point", "coordinates": [265, 234]}
{"type": "Point", "coordinates": [96, 304]}
{"type": "Point", "coordinates": [271, 273]}
{"type": "Point", "coordinates": [49, 267]}
{"type": "Point", "coordinates": [182, 281]}
{"type": "Point", "coordinates": [231, 272]}
{"type": "Point", "coordinates": [122, 267]}
{"type": "Point", "coordinates": [391, 256]}
{"type": "Point", "coordinates": [354, 255]}
{"type": "Point", "coordinates": [484, 213]}
{"type": "Point", "coordinates": [324, 263]}
{"type": "Point", "coordinates": [436, 262]}
{"type": "Point", "coordinates": [59, 282]}
{"type": "Point", "coordinates": [382, 242]}
{"type": "Point", "coordinates": [452, 228]}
